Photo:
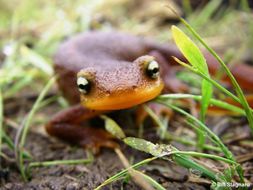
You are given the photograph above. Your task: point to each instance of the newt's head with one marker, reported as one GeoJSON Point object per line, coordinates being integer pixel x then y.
{"type": "Point", "coordinates": [120, 85]}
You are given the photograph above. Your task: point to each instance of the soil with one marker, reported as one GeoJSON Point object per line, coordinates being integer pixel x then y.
{"type": "Point", "coordinates": [72, 177]}
{"type": "Point", "coordinates": [235, 133]}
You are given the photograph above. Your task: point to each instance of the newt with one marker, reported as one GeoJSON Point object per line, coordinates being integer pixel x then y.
{"type": "Point", "coordinates": [105, 71]}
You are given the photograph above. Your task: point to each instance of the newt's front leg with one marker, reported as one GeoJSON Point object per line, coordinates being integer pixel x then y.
{"type": "Point", "coordinates": [72, 125]}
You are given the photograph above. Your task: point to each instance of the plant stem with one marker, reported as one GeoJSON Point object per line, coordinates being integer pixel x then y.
{"type": "Point", "coordinates": [198, 154]}
{"type": "Point", "coordinates": [210, 134]}
{"type": "Point", "coordinates": [26, 125]}
{"type": "Point", "coordinates": [205, 129]}
{"type": "Point", "coordinates": [215, 102]}
{"type": "Point", "coordinates": [1, 121]}
{"type": "Point", "coordinates": [124, 172]}
{"type": "Point", "coordinates": [237, 87]}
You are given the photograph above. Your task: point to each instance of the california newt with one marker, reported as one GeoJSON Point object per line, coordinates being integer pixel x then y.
{"type": "Point", "coordinates": [111, 71]}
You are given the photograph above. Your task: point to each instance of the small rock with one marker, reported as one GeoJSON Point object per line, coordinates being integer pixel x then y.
{"type": "Point", "coordinates": [72, 186]}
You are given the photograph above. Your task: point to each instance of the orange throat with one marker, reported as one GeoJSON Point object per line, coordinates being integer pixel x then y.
{"type": "Point", "coordinates": [124, 100]}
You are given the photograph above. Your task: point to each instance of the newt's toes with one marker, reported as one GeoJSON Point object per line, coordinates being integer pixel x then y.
{"type": "Point", "coordinates": [95, 139]}
{"type": "Point", "coordinates": [86, 136]}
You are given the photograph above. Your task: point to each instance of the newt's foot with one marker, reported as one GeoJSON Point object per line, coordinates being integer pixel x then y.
{"type": "Point", "coordinates": [72, 126]}
{"type": "Point", "coordinates": [88, 137]}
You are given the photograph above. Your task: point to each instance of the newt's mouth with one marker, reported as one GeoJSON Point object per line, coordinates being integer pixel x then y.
{"type": "Point", "coordinates": [124, 100]}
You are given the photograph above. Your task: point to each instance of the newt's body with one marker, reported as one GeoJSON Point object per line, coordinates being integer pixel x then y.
{"type": "Point", "coordinates": [108, 63]}
{"type": "Point", "coordinates": [110, 71]}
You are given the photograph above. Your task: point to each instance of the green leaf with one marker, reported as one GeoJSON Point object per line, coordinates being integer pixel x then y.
{"type": "Point", "coordinates": [37, 60]}
{"type": "Point", "coordinates": [191, 52]}
{"type": "Point", "coordinates": [112, 127]}
{"type": "Point", "coordinates": [124, 172]}
{"type": "Point", "coordinates": [198, 61]}
{"type": "Point", "coordinates": [186, 162]}
{"type": "Point", "coordinates": [19, 149]}
{"type": "Point", "coordinates": [158, 150]}
{"type": "Point", "coordinates": [150, 180]}
{"type": "Point", "coordinates": [207, 91]}
{"type": "Point", "coordinates": [241, 98]}
{"type": "Point", "coordinates": [204, 16]}
{"type": "Point", "coordinates": [1, 119]}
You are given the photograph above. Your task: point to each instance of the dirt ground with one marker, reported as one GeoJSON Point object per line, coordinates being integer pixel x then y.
{"type": "Point", "coordinates": [81, 176]}
{"type": "Point", "coordinates": [107, 163]}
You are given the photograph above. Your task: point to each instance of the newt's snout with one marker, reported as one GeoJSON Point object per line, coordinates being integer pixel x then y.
{"type": "Point", "coordinates": [122, 86]}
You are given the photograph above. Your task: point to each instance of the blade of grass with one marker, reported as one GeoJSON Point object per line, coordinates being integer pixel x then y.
{"type": "Point", "coordinates": [214, 102]}
{"type": "Point", "coordinates": [121, 174]}
{"type": "Point", "coordinates": [185, 141]}
{"type": "Point", "coordinates": [88, 160]}
{"type": "Point", "coordinates": [136, 177]}
{"type": "Point", "coordinates": [164, 151]}
{"type": "Point", "coordinates": [245, 6]}
{"type": "Point", "coordinates": [213, 137]}
{"type": "Point", "coordinates": [167, 135]}
{"type": "Point", "coordinates": [1, 120]}
{"type": "Point", "coordinates": [58, 162]}
{"type": "Point", "coordinates": [48, 101]}
{"type": "Point", "coordinates": [112, 127]}
{"type": "Point", "coordinates": [10, 144]}
{"type": "Point", "coordinates": [190, 164]}
{"type": "Point", "coordinates": [24, 81]}
{"type": "Point", "coordinates": [25, 127]}
{"type": "Point", "coordinates": [187, 9]}
{"type": "Point", "coordinates": [198, 154]}
{"type": "Point", "coordinates": [162, 126]}
{"type": "Point", "coordinates": [237, 87]}
{"type": "Point", "coordinates": [203, 127]}
{"type": "Point", "coordinates": [151, 181]}
{"type": "Point", "coordinates": [193, 54]}
{"type": "Point", "coordinates": [148, 147]}
{"type": "Point", "coordinates": [36, 59]}
{"type": "Point", "coordinates": [205, 14]}
{"type": "Point", "coordinates": [213, 82]}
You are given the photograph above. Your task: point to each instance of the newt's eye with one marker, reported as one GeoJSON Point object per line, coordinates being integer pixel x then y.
{"type": "Point", "coordinates": [83, 85]}
{"type": "Point", "coordinates": [153, 69]}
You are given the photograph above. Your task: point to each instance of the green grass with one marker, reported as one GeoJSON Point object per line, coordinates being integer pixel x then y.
{"type": "Point", "coordinates": [28, 41]}
{"type": "Point", "coordinates": [182, 158]}
{"type": "Point", "coordinates": [28, 67]}
{"type": "Point", "coordinates": [124, 172]}
{"type": "Point", "coordinates": [1, 120]}
{"type": "Point", "coordinates": [179, 157]}
{"type": "Point", "coordinates": [31, 165]}
{"type": "Point", "coordinates": [197, 60]}
{"type": "Point", "coordinates": [23, 130]}
{"type": "Point", "coordinates": [194, 56]}
{"type": "Point", "coordinates": [241, 97]}
{"type": "Point", "coordinates": [213, 102]}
